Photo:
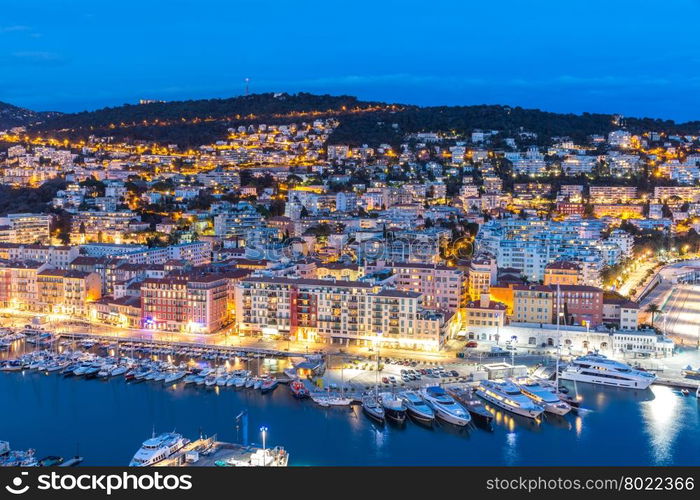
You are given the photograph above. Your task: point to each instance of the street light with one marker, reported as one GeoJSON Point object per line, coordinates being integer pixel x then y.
{"type": "Point", "coordinates": [263, 430]}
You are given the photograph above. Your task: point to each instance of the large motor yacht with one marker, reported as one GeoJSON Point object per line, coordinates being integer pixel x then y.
{"type": "Point", "coordinates": [506, 395]}
{"type": "Point", "coordinates": [597, 369]}
{"type": "Point", "coordinates": [157, 449]}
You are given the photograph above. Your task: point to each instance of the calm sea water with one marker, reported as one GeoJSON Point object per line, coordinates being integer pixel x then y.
{"type": "Point", "coordinates": [108, 420]}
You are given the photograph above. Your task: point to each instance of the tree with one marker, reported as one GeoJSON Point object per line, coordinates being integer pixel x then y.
{"type": "Point", "coordinates": [653, 309]}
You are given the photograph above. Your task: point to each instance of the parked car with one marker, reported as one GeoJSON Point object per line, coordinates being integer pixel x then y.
{"type": "Point", "coordinates": [471, 344]}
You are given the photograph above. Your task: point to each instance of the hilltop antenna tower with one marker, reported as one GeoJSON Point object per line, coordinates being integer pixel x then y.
{"type": "Point", "coordinates": [247, 81]}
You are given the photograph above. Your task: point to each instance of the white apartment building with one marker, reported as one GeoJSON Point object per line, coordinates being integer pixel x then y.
{"type": "Point", "coordinates": [338, 312]}
{"type": "Point", "coordinates": [441, 287]}
{"type": "Point", "coordinates": [25, 228]}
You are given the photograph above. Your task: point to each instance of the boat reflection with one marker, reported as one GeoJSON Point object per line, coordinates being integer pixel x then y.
{"type": "Point", "coordinates": [511, 421]}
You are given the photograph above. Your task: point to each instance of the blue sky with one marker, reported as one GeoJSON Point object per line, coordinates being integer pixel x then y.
{"type": "Point", "coordinates": [638, 58]}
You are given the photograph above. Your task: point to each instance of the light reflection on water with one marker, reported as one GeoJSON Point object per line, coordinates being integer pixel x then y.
{"type": "Point", "coordinates": [110, 420]}
{"type": "Point", "coordinates": [511, 450]}
{"type": "Point", "coordinates": [663, 417]}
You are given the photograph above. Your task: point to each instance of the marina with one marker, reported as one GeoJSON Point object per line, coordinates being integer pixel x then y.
{"type": "Point", "coordinates": [190, 390]}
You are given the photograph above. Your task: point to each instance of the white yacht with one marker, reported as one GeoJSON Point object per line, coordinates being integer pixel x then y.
{"type": "Point", "coordinates": [506, 395]}
{"type": "Point", "coordinates": [417, 407]}
{"type": "Point", "coordinates": [324, 399]}
{"type": "Point", "coordinates": [543, 396]}
{"type": "Point", "coordinates": [157, 449]}
{"type": "Point", "coordinates": [445, 407]}
{"type": "Point", "coordinates": [173, 377]}
{"type": "Point", "coordinates": [597, 369]}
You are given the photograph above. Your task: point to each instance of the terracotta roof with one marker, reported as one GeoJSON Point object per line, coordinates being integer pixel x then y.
{"type": "Point", "coordinates": [563, 265]}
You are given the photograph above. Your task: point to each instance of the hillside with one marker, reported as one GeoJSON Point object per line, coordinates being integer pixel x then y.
{"type": "Point", "coordinates": [14, 116]}
{"type": "Point", "coordinates": [197, 122]}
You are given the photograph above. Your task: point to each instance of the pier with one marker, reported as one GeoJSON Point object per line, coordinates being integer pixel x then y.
{"type": "Point", "coordinates": [228, 349]}
{"type": "Point", "coordinates": [208, 452]}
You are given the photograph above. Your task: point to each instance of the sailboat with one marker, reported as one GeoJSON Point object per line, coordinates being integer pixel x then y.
{"type": "Point", "coordinates": [371, 404]}
{"type": "Point", "coordinates": [573, 402]}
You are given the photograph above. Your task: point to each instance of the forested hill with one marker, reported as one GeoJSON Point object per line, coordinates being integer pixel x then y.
{"type": "Point", "coordinates": [197, 122]}
{"type": "Point", "coordinates": [390, 127]}
{"type": "Point", "coordinates": [252, 107]}
{"type": "Point", "coordinates": [14, 116]}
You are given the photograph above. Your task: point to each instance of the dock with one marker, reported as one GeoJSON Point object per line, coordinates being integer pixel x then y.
{"type": "Point", "coordinates": [208, 452]}
{"type": "Point", "coordinates": [227, 349]}
{"type": "Point", "coordinates": [690, 384]}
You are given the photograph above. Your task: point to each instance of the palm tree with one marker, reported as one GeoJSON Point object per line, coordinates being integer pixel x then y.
{"type": "Point", "coordinates": [653, 309]}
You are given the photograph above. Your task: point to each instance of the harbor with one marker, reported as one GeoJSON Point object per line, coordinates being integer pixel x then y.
{"type": "Point", "coordinates": [361, 410]}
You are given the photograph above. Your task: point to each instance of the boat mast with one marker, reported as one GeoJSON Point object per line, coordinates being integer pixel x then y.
{"type": "Point", "coordinates": [376, 375]}
{"type": "Point", "coordinates": [556, 370]}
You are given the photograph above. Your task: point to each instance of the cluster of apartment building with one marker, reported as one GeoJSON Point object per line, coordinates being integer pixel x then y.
{"type": "Point", "coordinates": [340, 243]}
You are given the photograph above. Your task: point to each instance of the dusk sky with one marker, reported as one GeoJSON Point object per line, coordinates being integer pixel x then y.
{"type": "Point", "coordinates": [638, 58]}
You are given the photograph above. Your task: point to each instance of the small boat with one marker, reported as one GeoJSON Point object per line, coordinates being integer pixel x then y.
{"type": "Point", "coordinates": [324, 399]}
{"type": "Point", "coordinates": [72, 462]}
{"type": "Point", "coordinates": [258, 383]}
{"type": "Point", "coordinates": [373, 408]}
{"type": "Point", "coordinates": [54, 367]}
{"type": "Point", "coordinates": [190, 379]}
{"type": "Point", "coordinates": [173, 377]}
{"type": "Point", "coordinates": [417, 408]}
{"type": "Point", "coordinates": [570, 400]}
{"type": "Point", "coordinates": [11, 366]}
{"type": "Point", "coordinates": [298, 389]}
{"type": "Point", "coordinates": [269, 385]}
{"type": "Point", "coordinates": [221, 381]}
{"type": "Point", "coordinates": [249, 382]}
{"type": "Point", "coordinates": [445, 407]}
{"type": "Point", "coordinates": [50, 461]}
{"type": "Point", "coordinates": [81, 369]}
{"type": "Point", "coordinates": [119, 370]}
{"type": "Point", "coordinates": [68, 370]}
{"type": "Point", "coordinates": [141, 374]}
{"type": "Point", "coordinates": [92, 372]}
{"type": "Point", "coordinates": [394, 409]}
{"type": "Point", "coordinates": [689, 372]}
{"type": "Point", "coordinates": [239, 382]}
